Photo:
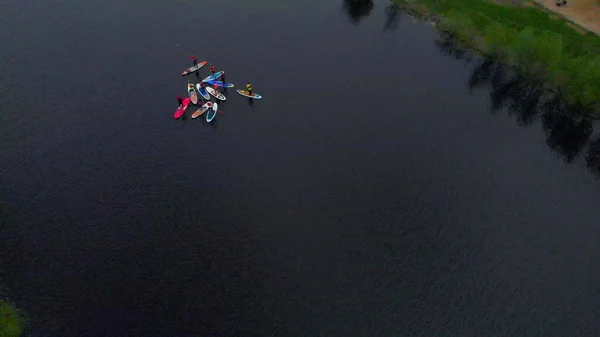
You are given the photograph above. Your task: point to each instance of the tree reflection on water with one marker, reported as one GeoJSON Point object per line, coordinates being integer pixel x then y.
{"type": "Point", "coordinates": [568, 128]}
{"type": "Point", "coordinates": [357, 9]}
{"type": "Point", "coordinates": [392, 18]}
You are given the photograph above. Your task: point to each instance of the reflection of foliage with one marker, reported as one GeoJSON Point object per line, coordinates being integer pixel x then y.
{"type": "Point", "coordinates": [593, 157]}
{"type": "Point", "coordinates": [358, 9]}
{"type": "Point", "coordinates": [566, 127]}
{"type": "Point", "coordinates": [525, 100]}
{"type": "Point", "coordinates": [392, 17]}
{"type": "Point", "coordinates": [521, 63]}
{"type": "Point", "coordinates": [566, 134]}
{"type": "Point", "coordinates": [450, 46]}
{"type": "Point", "coordinates": [528, 39]}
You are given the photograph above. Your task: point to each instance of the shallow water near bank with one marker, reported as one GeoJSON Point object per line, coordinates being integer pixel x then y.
{"type": "Point", "coordinates": [383, 186]}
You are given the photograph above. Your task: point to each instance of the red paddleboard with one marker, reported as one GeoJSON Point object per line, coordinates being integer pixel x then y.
{"type": "Point", "coordinates": [194, 68]}
{"type": "Point", "coordinates": [181, 111]}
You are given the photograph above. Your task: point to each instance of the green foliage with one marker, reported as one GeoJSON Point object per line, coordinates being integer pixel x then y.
{"type": "Point", "coordinates": [521, 46]}
{"type": "Point", "coordinates": [548, 51]}
{"type": "Point", "coordinates": [528, 38]}
{"type": "Point", "coordinates": [11, 322]}
{"type": "Point", "coordinates": [460, 26]}
{"type": "Point", "coordinates": [497, 38]}
{"type": "Point", "coordinates": [582, 89]}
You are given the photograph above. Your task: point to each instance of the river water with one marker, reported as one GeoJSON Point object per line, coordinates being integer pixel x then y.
{"type": "Point", "coordinates": [387, 184]}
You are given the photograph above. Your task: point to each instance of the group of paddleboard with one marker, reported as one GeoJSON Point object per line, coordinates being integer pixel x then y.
{"type": "Point", "coordinates": [200, 94]}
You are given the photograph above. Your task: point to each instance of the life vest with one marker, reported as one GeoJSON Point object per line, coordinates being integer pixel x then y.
{"type": "Point", "coordinates": [249, 87]}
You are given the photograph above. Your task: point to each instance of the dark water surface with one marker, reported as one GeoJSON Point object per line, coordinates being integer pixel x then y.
{"type": "Point", "coordinates": [370, 193]}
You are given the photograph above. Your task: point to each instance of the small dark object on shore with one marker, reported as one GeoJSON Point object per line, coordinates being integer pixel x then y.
{"type": "Point", "coordinates": [560, 3]}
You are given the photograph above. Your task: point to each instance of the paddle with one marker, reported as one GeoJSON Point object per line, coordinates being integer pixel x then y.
{"type": "Point", "coordinates": [183, 51]}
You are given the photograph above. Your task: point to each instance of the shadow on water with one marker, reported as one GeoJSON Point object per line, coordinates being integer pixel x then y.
{"type": "Point", "coordinates": [392, 18]}
{"type": "Point", "coordinates": [357, 9]}
{"type": "Point", "coordinates": [567, 128]}
{"type": "Point", "coordinates": [593, 157]}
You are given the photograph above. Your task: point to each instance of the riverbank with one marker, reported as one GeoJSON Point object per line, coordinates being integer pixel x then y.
{"type": "Point", "coordinates": [585, 13]}
{"type": "Point", "coordinates": [11, 322]}
{"type": "Point", "coordinates": [522, 35]}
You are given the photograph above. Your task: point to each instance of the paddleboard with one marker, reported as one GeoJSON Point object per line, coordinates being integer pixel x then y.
{"type": "Point", "coordinates": [216, 94]}
{"type": "Point", "coordinates": [202, 110]}
{"type": "Point", "coordinates": [213, 77]}
{"type": "Point", "coordinates": [192, 94]}
{"type": "Point", "coordinates": [181, 111]}
{"type": "Point", "coordinates": [194, 68]}
{"type": "Point", "coordinates": [247, 94]}
{"type": "Point", "coordinates": [202, 91]}
{"type": "Point", "coordinates": [212, 113]}
{"type": "Point", "coordinates": [221, 84]}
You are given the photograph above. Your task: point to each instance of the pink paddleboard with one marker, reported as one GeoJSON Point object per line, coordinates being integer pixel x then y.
{"type": "Point", "coordinates": [181, 111]}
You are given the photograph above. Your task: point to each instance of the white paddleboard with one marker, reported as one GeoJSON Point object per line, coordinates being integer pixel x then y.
{"type": "Point", "coordinates": [218, 95]}
{"type": "Point", "coordinates": [202, 110]}
{"type": "Point", "coordinates": [194, 68]}
{"type": "Point", "coordinates": [212, 114]}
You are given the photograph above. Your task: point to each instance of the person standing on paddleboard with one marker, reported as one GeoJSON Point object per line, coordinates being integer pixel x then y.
{"type": "Point", "coordinates": [193, 57]}
{"type": "Point", "coordinates": [216, 89]}
{"type": "Point", "coordinates": [249, 88]}
{"type": "Point", "coordinates": [180, 101]}
{"type": "Point", "coordinates": [223, 78]}
{"type": "Point", "coordinates": [213, 69]}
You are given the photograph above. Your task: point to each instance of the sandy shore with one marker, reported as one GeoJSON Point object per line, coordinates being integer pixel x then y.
{"type": "Point", "coordinates": [585, 13]}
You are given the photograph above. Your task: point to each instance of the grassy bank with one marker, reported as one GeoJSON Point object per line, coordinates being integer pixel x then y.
{"type": "Point", "coordinates": [11, 322]}
{"type": "Point", "coordinates": [526, 37]}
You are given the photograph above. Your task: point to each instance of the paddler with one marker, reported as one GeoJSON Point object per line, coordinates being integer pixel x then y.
{"type": "Point", "coordinates": [180, 101]}
{"type": "Point", "coordinates": [217, 89]}
{"type": "Point", "coordinates": [212, 68]}
{"type": "Point", "coordinates": [249, 88]}
{"type": "Point", "coordinates": [223, 78]}
{"type": "Point", "coordinates": [193, 57]}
